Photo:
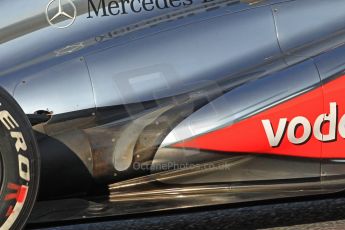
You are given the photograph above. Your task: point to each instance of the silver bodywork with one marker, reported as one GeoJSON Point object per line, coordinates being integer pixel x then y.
{"type": "Point", "coordinates": [107, 93]}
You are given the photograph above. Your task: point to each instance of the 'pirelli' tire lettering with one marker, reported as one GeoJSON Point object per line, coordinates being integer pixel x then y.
{"type": "Point", "coordinates": [20, 142]}
{"type": "Point", "coordinates": [16, 191]}
{"type": "Point", "coordinates": [23, 162]}
{"type": "Point", "coordinates": [20, 161]}
{"type": "Point", "coordinates": [24, 167]}
{"type": "Point", "coordinates": [7, 120]}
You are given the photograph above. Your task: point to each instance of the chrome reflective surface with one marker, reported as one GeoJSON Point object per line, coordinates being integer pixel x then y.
{"type": "Point", "coordinates": [109, 96]}
{"type": "Point", "coordinates": [239, 104]}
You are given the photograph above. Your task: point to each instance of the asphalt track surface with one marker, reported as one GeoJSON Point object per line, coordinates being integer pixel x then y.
{"type": "Point", "coordinates": [327, 212]}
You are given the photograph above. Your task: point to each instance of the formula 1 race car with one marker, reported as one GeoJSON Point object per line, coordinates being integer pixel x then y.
{"type": "Point", "coordinates": [110, 108]}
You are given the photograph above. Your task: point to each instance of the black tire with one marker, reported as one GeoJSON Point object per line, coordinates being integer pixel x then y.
{"type": "Point", "coordinates": [19, 165]}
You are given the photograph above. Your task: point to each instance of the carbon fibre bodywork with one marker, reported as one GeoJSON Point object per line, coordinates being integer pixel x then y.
{"type": "Point", "coordinates": [165, 108]}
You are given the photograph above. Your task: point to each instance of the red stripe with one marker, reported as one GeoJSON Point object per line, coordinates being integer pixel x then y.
{"type": "Point", "coordinates": [19, 192]}
{"type": "Point", "coordinates": [14, 195]}
{"type": "Point", "coordinates": [248, 136]}
{"type": "Point", "coordinates": [9, 211]}
{"type": "Point", "coordinates": [22, 194]}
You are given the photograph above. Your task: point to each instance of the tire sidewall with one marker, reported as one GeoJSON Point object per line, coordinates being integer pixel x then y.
{"type": "Point", "coordinates": [20, 164]}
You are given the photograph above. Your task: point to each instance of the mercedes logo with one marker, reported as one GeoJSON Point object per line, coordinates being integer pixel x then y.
{"type": "Point", "coordinates": [61, 13]}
